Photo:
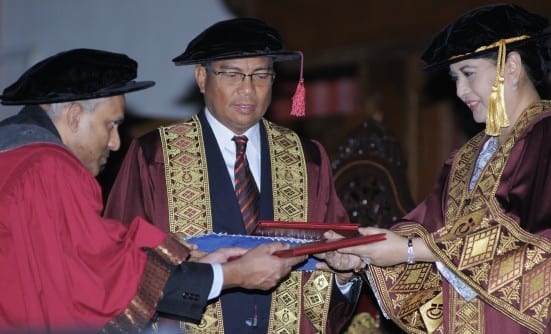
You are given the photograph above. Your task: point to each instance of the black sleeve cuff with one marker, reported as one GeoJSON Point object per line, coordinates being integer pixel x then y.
{"type": "Point", "coordinates": [185, 295]}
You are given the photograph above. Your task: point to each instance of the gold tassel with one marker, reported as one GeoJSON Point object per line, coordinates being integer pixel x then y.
{"type": "Point", "coordinates": [497, 116]}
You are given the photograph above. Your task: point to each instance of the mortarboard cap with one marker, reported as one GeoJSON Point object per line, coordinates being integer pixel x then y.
{"type": "Point", "coordinates": [478, 31]}
{"type": "Point", "coordinates": [235, 38]}
{"type": "Point", "coordinates": [242, 38]}
{"type": "Point", "coordinates": [78, 74]}
{"type": "Point", "coordinates": [491, 28]}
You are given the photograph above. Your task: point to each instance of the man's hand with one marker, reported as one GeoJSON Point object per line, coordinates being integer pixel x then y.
{"type": "Point", "coordinates": [342, 265]}
{"type": "Point", "coordinates": [258, 268]}
{"type": "Point", "coordinates": [221, 255]}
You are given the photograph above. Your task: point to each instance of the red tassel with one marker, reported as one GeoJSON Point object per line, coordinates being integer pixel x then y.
{"type": "Point", "coordinates": [298, 108]}
{"type": "Point", "coordinates": [299, 105]}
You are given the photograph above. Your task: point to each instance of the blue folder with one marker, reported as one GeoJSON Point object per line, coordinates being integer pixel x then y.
{"type": "Point", "coordinates": [212, 241]}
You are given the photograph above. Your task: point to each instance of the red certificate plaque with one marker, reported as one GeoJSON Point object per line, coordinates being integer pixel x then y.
{"type": "Point", "coordinates": [303, 230]}
{"type": "Point", "coordinates": [325, 245]}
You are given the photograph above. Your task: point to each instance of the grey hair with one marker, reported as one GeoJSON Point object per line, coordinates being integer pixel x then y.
{"type": "Point", "coordinates": [54, 109]}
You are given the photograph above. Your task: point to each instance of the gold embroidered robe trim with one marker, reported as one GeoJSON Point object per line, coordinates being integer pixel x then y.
{"type": "Point", "coordinates": [507, 267]}
{"type": "Point", "coordinates": [408, 294]}
{"type": "Point", "coordinates": [468, 317]}
{"type": "Point", "coordinates": [189, 213]}
{"type": "Point", "coordinates": [290, 198]}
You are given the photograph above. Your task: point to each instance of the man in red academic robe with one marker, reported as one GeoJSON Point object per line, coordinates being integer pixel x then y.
{"type": "Point", "coordinates": [64, 267]}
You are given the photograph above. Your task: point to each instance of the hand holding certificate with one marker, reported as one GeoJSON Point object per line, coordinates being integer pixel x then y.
{"type": "Point", "coordinates": [329, 245]}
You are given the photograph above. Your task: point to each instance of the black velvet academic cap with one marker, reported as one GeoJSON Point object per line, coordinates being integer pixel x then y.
{"type": "Point", "coordinates": [480, 28]}
{"type": "Point", "coordinates": [235, 38]}
{"type": "Point", "coordinates": [78, 74]}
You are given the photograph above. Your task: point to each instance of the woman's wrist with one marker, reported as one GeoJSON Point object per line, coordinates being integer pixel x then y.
{"type": "Point", "coordinates": [410, 251]}
{"type": "Point", "coordinates": [420, 251]}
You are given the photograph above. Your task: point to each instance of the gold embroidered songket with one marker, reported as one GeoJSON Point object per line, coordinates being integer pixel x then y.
{"type": "Point", "coordinates": [189, 207]}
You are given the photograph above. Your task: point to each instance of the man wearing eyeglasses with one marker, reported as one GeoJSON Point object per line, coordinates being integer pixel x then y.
{"type": "Point", "coordinates": [184, 177]}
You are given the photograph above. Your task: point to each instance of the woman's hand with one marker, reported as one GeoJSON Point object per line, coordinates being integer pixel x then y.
{"type": "Point", "coordinates": [393, 250]}
{"type": "Point", "coordinates": [342, 265]}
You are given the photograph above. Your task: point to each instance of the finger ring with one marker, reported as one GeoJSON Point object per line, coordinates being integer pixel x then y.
{"type": "Point", "coordinates": [365, 260]}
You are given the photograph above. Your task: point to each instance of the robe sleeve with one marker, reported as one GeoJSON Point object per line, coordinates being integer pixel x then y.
{"type": "Point", "coordinates": [323, 201]}
{"type": "Point", "coordinates": [430, 212]}
{"type": "Point", "coordinates": [147, 198]}
{"type": "Point", "coordinates": [524, 191]}
{"type": "Point", "coordinates": [186, 292]}
{"type": "Point", "coordinates": [325, 206]}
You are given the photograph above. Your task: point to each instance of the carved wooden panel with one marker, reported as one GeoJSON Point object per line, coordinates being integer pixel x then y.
{"type": "Point", "coordinates": [370, 176]}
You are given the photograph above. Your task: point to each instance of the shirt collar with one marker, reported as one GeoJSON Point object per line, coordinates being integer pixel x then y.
{"type": "Point", "coordinates": [224, 135]}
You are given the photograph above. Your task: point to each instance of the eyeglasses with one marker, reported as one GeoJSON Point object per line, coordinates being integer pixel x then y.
{"type": "Point", "coordinates": [260, 79]}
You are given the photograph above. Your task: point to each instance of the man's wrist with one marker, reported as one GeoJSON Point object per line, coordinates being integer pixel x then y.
{"type": "Point", "coordinates": [344, 278]}
{"type": "Point", "coordinates": [350, 289]}
{"type": "Point", "coordinates": [217, 281]}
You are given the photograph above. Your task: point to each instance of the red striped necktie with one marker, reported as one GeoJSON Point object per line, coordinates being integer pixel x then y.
{"type": "Point", "coordinates": [246, 190]}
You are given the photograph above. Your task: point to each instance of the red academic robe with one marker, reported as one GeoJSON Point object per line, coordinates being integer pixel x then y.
{"type": "Point", "coordinates": [140, 190]}
{"type": "Point", "coordinates": [63, 265]}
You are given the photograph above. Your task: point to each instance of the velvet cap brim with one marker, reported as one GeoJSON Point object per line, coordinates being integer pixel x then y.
{"type": "Point", "coordinates": [482, 27]}
{"type": "Point", "coordinates": [78, 74]}
{"type": "Point", "coordinates": [235, 38]}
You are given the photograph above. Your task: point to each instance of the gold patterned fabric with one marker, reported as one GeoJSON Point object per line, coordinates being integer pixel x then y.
{"type": "Point", "coordinates": [161, 260]}
{"type": "Point", "coordinates": [190, 213]}
{"type": "Point", "coordinates": [509, 268]}
{"type": "Point", "coordinates": [364, 323]}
